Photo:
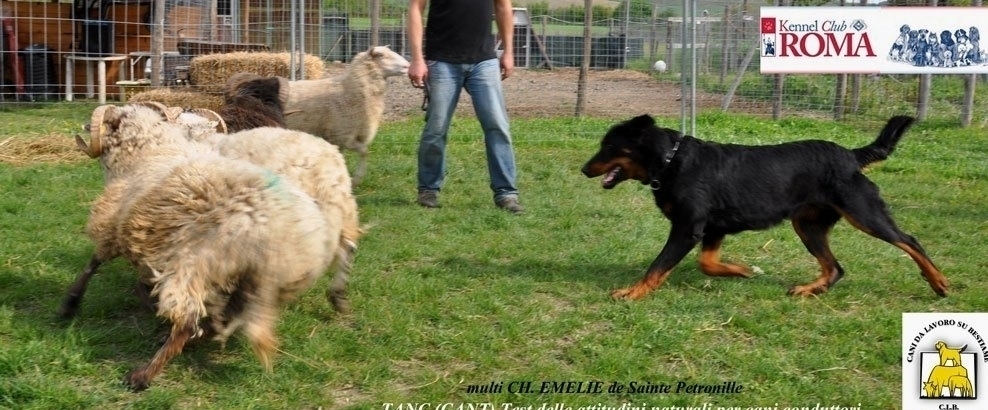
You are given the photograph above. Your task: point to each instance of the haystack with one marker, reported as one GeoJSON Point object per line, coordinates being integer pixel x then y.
{"type": "Point", "coordinates": [35, 149]}
{"type": "Point", "coordinates": [181, 97]}
{"type": "Point", "coordinates": [209, 72]}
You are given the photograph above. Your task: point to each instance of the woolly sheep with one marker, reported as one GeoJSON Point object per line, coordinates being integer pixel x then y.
{"type": "Point", "coordinates": [252, 101]}
{"type": "Point", "coordinates": [310, 162]}
{"type": "Point", "coordinates": [346, 110]}
{"type": "Point", "coordinates": [214, 237]}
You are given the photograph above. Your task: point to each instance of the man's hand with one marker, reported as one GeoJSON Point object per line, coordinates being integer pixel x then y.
{"type": "Point", "coordinates": [418, 73]}
{"type": "Point", "coordinates": [507, 61]}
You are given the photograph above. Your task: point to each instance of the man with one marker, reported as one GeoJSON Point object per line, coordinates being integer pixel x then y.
{"type": "Point", "coordinates": [456, 52]}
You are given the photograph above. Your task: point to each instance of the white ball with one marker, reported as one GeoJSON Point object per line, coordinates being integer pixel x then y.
{"type": "Point", "coordinates": [659, 66]}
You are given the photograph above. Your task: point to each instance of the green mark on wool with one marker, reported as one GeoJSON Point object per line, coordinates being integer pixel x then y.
{"type": "Point", "coordinates": [273, 180]}
{"type": "Point", "coordinates": [276, 183]}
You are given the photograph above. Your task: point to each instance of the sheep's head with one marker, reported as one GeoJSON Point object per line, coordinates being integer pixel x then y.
{"type": "Point", "coordinates": [392, 63]}
{"type": "Point", "coordinates": [199, 117]}
{"type": "Point", "coordinates": [106, 119]}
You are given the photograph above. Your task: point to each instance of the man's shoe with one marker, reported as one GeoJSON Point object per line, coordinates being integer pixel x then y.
{"type": "Point", "coordinates": [510, 204]}
{"type": "Point", "coordinates": [428, 199]}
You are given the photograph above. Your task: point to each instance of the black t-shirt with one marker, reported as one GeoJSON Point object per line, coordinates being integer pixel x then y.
{"type": "Point", "coordinates": [459, 31]}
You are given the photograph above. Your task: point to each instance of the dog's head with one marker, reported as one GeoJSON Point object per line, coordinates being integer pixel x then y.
{"type": "Point", "coordinates": [946, 37]}
{"type": "Point", "coordinates": [903, 29]}
{"type": "Point", "coordinates": [633, 149]}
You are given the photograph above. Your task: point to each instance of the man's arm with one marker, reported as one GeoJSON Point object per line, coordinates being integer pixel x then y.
{"type": "Point", "coordinates": [505, 20]}
{"type": "Point", "coordinates": [417, 70]}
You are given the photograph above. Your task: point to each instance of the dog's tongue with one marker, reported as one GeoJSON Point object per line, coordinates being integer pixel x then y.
{"type": "Point", "coordinates": [609, 178]}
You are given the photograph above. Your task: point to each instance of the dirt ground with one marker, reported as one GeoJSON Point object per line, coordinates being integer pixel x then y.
{"type": "Point", "coordinates": [552, 93]}
{"type": "Point", "coordinates": [530, 93]}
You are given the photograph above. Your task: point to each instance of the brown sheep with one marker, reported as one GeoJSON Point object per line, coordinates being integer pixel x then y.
{"type": "Point", "coordinates": [251, 101]}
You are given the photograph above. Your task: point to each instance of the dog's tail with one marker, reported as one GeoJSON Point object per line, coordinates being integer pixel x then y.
{"type": "Point", "coordinates": [883, 146]}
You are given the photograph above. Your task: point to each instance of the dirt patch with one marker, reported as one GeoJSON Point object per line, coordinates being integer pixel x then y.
{"type": "Point", "coordinates": [530, 93]}
{"type": "Point", "coordinates": [552, 93]}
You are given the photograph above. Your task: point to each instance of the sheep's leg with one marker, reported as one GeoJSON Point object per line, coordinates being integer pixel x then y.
{"type": "Point", "coordinates": [358, 175]}
{"type": "Point", "coordinates": [140, 378]}
{"type": "Point", "coordinates": [337, 289]}
{"type": "Point", "coordinates": [143, 292]}
{"type": "Point", "coordinates": [258, 318]}
{"type": "Point", "coordinates": [70, 305]}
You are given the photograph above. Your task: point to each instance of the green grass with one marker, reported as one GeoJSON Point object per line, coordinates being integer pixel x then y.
{"type": "Point", "coordinates": [470, 295]}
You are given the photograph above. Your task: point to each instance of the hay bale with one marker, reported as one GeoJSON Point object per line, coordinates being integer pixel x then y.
{"type": "Point", "coordinates": [211, 71]}
{"type": "Point", "coordinates": [53, 148]}
{"type": "Point", "coordinates": [180, 98]}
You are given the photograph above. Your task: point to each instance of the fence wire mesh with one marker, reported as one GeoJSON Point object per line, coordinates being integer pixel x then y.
{"type": "Point", "coordinates": [638, 50]}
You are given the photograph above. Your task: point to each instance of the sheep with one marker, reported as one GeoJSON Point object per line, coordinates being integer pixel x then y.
{"type": "Point", "coordinates": [346, 110]}
{"type": "Point", "coordinates": [252, 101]}
{"type": "Point", "coordinates": [310, 162]}
{"type": "Point", "coordinates": [214, 237]}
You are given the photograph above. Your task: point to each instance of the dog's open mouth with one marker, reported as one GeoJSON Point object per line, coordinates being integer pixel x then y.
{"type": "Point", "coordinates": [612, 178]}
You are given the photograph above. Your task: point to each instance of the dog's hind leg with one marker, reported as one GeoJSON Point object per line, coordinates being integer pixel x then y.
{"type": "Point", "coordinates": [710, 262]}
{"type": "Point", "coordinates": [813, 225]}
{"type": "Point", "coordinates": [681, 241]}
{"type": "Point", "coordinates": [867, 211]}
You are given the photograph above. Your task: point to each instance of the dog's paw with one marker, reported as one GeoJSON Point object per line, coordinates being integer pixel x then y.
{"type": "Point", "coordinates": [806, 290]}
{"type": "Point", "coordinates": [630, 293]}
{"type": "Point", "coordinates": [713, 267]}
{"type": "Point", "coordinates": [939, 284]}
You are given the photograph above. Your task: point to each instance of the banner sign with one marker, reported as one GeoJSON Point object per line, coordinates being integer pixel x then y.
{"type": "Point", "coordinates": [943, 361]}
{"type": "Point", "coordinates": [881, 40]}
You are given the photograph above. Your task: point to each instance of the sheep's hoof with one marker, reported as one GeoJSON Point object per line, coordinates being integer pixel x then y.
{"type": "Point", "coordinates": [341, 304]}
{"type": "Point", "coordinates": [70, 306]}
{"type": "Point", "coordinates": [137, 380]}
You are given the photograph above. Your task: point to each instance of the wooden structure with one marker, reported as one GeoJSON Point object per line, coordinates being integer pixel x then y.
{"type": "Point", "coordinates": [201, 25]}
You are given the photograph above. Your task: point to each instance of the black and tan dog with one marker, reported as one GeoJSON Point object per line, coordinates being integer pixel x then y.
{"type": "Point", "coordinates": [709, 190]}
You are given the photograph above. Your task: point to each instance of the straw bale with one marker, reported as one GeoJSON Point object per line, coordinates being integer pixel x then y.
{"type": "Point", "coordinates": [180, 98]}
{"type": "Point", "coordinates": [211, 71]}
{"type": "Point", "coordinates": [44, 148]}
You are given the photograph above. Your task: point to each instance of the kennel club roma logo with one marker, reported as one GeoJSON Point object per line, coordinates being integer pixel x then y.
{"type": "Point", "coordinates": [815, 38]}
{"type": "Point", "coordinates": [943, 354]}
{"type": "Point", "coordinates": [875, 40]}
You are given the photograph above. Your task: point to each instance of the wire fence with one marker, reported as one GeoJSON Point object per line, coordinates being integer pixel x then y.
{"type": "Point", "coordinates": [717, 52]}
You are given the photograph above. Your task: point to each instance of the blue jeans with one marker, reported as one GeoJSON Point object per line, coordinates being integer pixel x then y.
{"type": "Point", "coordinates": [483, 82]}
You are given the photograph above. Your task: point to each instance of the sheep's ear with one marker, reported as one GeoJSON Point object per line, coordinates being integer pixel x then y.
{"type": "Point", "coordinates": [81, 143]}
{"type": "Point", "coordinates": [284, 90]}
{"type": "Point", "coordinates": [373, 52]}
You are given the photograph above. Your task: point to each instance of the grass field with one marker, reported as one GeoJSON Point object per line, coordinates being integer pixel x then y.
{"type": "Point", "coordinates": [468, 295]}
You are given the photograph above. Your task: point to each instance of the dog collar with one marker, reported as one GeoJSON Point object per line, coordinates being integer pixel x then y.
{"type": "Point", "coordinates": [654, 184]}
{"type": "Point", "coordinates": [672, 152]}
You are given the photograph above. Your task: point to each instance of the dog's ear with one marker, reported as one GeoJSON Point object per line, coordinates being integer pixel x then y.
{"type": "Point", "coordinates": [642, 121]}
{"type": "Point", "coordinates": [644, 125]}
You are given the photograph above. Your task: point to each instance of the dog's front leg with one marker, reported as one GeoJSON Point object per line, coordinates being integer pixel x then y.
{"type": "Point", "coordinates": [681, 241]}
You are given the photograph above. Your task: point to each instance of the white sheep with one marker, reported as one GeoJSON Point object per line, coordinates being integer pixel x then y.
{"type": "Point", "coordinates": [310, 162]}
{"type": "Point", "coordinates": [346, 110]}
{"type": "Point", "coordinates": [214, 237]}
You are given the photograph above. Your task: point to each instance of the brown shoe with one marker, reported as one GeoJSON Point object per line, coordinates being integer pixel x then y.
{"type": "Point", "coordinates": [428, 199]}
{"type": "Point", "coordinates": [510, 204]}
